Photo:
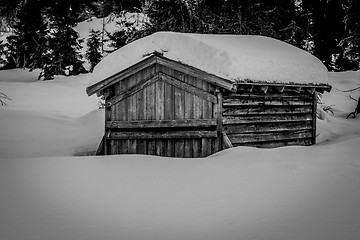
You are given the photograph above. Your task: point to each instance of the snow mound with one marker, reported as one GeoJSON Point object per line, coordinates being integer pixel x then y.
{"type": "Point", "coordinates": [241, 193]}
{"type": "Point", "coordinates": [345, 85]}
{"type": "Point", "coordinates": [234, 57]}
{"type": "Point", "coordinates": [19, 75]}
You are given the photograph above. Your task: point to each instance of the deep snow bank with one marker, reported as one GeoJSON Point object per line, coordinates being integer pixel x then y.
{"type": "Point", "coordinates": [234, 57]}
{"type": "Point", "coordinates": [242, 193]}
{"type": "Point", "coordinates": [48, 118]}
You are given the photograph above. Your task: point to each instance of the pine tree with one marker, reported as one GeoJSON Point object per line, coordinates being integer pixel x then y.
{"type": "Point", "coordinates": [62, 43]}
{"type": "Point", "coordinates": [278, 19]}
{"type": "Point", "coordinates": [93, 51]}
{"type": "Point", "coordinates": [63, 50]}
{"type": "Point", "coordinates": [326, 28]}
{"type": "Point", "coordinates": [351, 43]}
{"type": "Point", "coordinates": [118, 39]}
{"type": "Point", "coordinates": [169, 15]}
{"type": "Point", "coordinates": [25, 45]}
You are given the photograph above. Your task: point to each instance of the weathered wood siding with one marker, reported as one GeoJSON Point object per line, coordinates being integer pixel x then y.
{"type": "Point", "coordinates": [269, 120]}
{"type": "Point", "coordinates": [162, 118]}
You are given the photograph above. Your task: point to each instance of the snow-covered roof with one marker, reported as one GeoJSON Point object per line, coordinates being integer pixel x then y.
{"type": "Point", "coordinates": [233, 57]}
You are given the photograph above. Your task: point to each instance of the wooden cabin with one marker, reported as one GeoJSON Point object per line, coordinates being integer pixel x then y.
{"type": "Point", "coordinates": [163, 107]}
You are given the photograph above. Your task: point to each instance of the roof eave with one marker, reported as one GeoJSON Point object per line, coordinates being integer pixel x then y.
{"type": "Point", "coordinates": [153, 59]}
{"type": "Point", "coordinates": [99, 86]}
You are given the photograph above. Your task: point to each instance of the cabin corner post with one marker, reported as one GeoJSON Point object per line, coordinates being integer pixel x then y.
{"type": "Point", "coordinates": [108, 93]}
{"type": "Point", "coordinates": [314, 111]}
{"type": "Point", "coordinates": [219, 117]}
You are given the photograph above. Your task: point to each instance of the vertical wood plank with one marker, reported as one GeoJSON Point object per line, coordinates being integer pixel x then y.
{"type": "Point", "coordinates": [188, 114]}
{"type": "Point", "coordinates": [170, 144]}
{"type": "Point", "coordinates": [110, 148]}
{"type": "Point", "coordinates": [150, 115]}
{"type": "Point", "coordinates": [159, 100]}
{"type": "Point", "coordinates": [207, 113]}
{"type": "Point", "coordinates": [150, 102]}
{"type": "Point", "coordinates": [179, 113]}
{"type": "Point", "coordinates": [198, 102]}
{"type": "Point", "coordinates": [106, 146]}
{"type": "Point", "coordinates": [219, 116]}
{"type": "Point", "coordinates": [141, 147]}
{"type": "Point", "coordinates": [107, 113]}
{"type": "Point", "coordinates": [124, 146]}
{"type": "Point", "coordinates": [151, 147]}
{"type": "Point", "coordinates": [134, 110]}
{"type": "Point", "coordinates": [198, 114]}
{"type": "Point", "coordinates": [115, 147]}
{"type": "Point", "coordinates": [168, 115]}
{"type": "Point", "coordinates": [142, 104]}
{"type": "Point", "coordinates": [314, 109]}
{"type": "Point", "coordinates": [189, 101]}
{"type": "Point", "coordinates": [159, 114]}
{"type": "Point", "coordinates": [179, 148]}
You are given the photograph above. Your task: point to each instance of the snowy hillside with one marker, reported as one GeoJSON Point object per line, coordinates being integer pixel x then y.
{"type": "Point", "coordinates": [241, 193]}
{"type": "Point", "coordinates": [111, 23]}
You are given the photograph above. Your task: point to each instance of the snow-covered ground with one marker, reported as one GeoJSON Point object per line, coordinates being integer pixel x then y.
{"type": "Point", "coordinates": [48, 193]}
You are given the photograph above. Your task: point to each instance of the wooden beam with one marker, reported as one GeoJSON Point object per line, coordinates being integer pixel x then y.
{"type": "Point", "coordinates": [164, 135]}
{"type": "Point", "coordinates": [219, 117]}
{"type": "Point", "coordinates": [264, 89]}
{"type": "Point", "coordinates": [144, 63]}
{"type": "Point", "coordinates": [310, 90]}
{"type": "Point", "coordinates": [106, 137]}
{"type": "Point", "coordinates": [265, 102]}
{"type": "Point", "coordinates": [266, 110]}
{"type": "Point", "coordinates": [100, 150]}
{"type": "Point", "coordinates": [273, 96]}
{"type": "Point", "coordinates": [298, 89]}
{"type": "Point", "coordinates": [187, 87]}
{"type": "Point", "coordinates": [313, 137]}
{"type": "Point", "coordinates": [108, 93]}
{"type": "Point", "coordinates": [186, 123]}
{"type": "Point", "coordinates": [324, 87]}
{"type": "Point", "coordinates": [277, 143]}
{"type": "Point", "coordinates": [268, 127]}
{"type": "Point", "coordinates": [279, 89]}
{"type": "Point", "coordinates": [273, 136]}
{"type": "Point", "coordinates": [252, 88]}
{"type": "Point", "coordinates": [267, 118]}
{"type": "Point", "coordinates": [195, 72]}
{"type": "Point", "coordinates": [127, 93]}
{"type": "Point", "coordinates": [226, 143]}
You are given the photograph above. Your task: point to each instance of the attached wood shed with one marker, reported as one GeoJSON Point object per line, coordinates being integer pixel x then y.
{"type": "Point", "coordinates": [162, 106]}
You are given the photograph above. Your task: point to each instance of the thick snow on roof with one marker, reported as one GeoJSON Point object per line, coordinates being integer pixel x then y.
{"type": "Point", "coordinates": [234, 57]}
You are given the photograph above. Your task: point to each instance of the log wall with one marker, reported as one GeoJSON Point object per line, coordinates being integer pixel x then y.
{"type": "Point", "coordinates": [269, 120]}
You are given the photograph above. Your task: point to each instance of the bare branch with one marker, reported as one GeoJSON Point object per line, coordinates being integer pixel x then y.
{"type": "Point", "coordinates": [350, 90]}
{"type": "Point", "coordinates": [3, 96]}
{"type": "Point", "coordinates": [353, 98]}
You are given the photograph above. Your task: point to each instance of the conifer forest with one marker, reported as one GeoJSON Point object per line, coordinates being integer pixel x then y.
{"type": "Point", "coordinates": [43, 35]}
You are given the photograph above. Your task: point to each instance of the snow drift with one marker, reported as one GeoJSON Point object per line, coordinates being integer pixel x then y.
{"type": "Point", "coordinates": [234, 57]}
{"type": "Point", "coordinates": [242, 193]}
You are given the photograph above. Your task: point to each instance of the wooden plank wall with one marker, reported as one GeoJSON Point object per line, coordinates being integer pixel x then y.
{"type": "Point", "coordinates": [162, 101]}
{"type": "Point", "coordinates": [269, 120]}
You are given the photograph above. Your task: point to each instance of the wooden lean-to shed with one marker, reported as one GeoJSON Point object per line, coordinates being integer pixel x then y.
{"type": "Point", "coordinates": [192, 95]}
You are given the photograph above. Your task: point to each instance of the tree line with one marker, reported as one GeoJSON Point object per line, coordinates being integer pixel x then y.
{"type": "Point", "coordinates": [44, 36]}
